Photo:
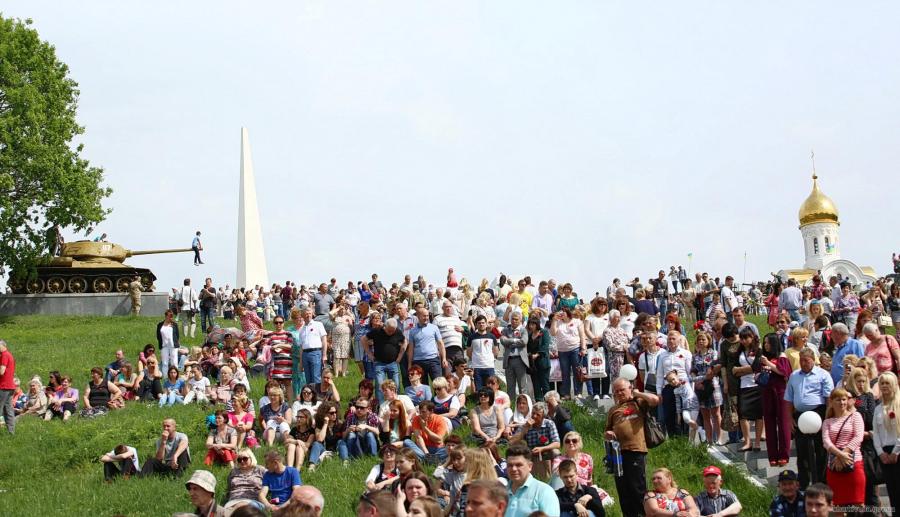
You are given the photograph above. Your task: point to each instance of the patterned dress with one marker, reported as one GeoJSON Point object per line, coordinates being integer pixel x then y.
{"type": "Point", "coordinates": [702, 364]}
{"type": "Point", "coordinates": [282, 363]}
{"type": "Point", "coordinates": [340, 337]}
{"type": "Point", "coordinates": [615, 341]}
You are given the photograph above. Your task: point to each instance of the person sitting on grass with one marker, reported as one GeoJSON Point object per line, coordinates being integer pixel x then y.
{"type": "Point", "coordinates": [415, 486]}
{"type": "Point", "coordinates": [383, 475]}
{"type": "Point", "coordinates": [428, 433]}
{"type": "Point", "coordinates": [275, 417]}
{"type": "Point", "coordinates": [37, 403]}
{"type": "Point", "coordinates": [301, 438]}
{"type": "Point", "coordinates": [389, 392]}
{"type": "Point", "coordinates": [202, 491]}
{"type": "Point", "coordinates": [221, 443]}
{"type": "Point", "coordinates": [173, 389]}
{"type": "Point", "coordinates": [173, 453]}
{"type": "Point", "coordinates": [244, 482]}
{"type": "Point", "coordinates": [487, 420]}
{"type": "Point", "coordinates": [518, 417]}
{"type": "Point", "coordinates": [113, 368]}
{"type": "Point", "coordinates": [395, 424]}
{"type": "Point", "coordinates": [445, 403]}
{"type": "Point", "coordinates": [540, 435]}
{"type": "Point", "coordinates": [478, 465]}
{"type": "Point", "coordinates": [416, 391]}
{"type": "Point", "coordinates": [306, 400]}
{"type": "Point", "coordinates": [100, 395]}
{"type": "Point", "coordinates": [575, 497]}
{"type": "Point", "coordinates": [328, 433]}
{"type": "Point", "coordinates": [145, 354]}
{"type": "Point", "coordinates": [240, 391]}
{"type": "Point", "coordinates": [149, 381]}
{"type": "Point", "coordinates": [197, 389]}
{"type": "Point", "coordinates": [64, 400]}
{"type": "Point", "coordinates": [715, 500]}
{"type": "Point", "coordinates": [526, 494]}
{"type": "Point", "coordinates": [279, 482]}
{"type": "Point", "coordinates": [127, 381]}
{"type": "Point", "coordinates": [242, 421]}
{"type": "Point", "coordinates": [222, 393]}
{"type": "Point", "coordinates": [790, 500]}
{"type": "Point", "coordinates": [121, 461]}
{"type": "Point", "coordinates": [360, 432]}
{"type": "Point", "coordinates": [326, 390]}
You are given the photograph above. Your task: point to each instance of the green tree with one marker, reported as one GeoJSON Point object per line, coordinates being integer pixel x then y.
{"type": "Point", "coordinates": [43, 179]}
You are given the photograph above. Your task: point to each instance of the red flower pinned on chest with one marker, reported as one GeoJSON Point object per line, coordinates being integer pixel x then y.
{"type": "Point", "coordinates": [892, 415]}
{"type": "Point", "coordinates": [680, 356]}
{"type": "Point", "coordinates": [583, 463]}
{"type": "Point", "coordinates": [858, 403]}
{"type": "Point", "coordinates": [517, 334]}
{"type": "Point", "coordinates": [420, 393]}
{"type": "Point", "coordinates": [628, 411]}
{"type": "Point", "coordinates": [391, 475]}
{"type": "Point", "coordinates": [707, 360]}
{"type": "Point", "coordinates": [544, 439]}
{"type": "Point", "coordinates": [661, 503]}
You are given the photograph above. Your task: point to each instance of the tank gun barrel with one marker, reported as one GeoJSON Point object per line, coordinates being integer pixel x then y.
{"type": "Point", "coordinates": [154, 252]}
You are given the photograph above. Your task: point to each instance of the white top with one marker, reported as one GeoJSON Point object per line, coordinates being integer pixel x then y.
{"type": "Point", "coordinates": [464, 384]}
{"type": "Point", "coordinates": [679, 360]}
{"type": "Point", "coordinates": [749, 380]}
{"type": "Point", "coordinates": [482, 352]}
{"type": "Point", "coordinates": [627, 324]}
{"type": "Point", "coordinates": [200, 385]}
{"type": "Point", "coordinates": [407, 405]}
{"type": "Point", "coordinates": [501, 399]}
{"type": "Point", "coordinates": [311, 335]}
{"type": "Point", "coordinates": [597, 324]}
{"type": "Point", "coordinates": [304, 405]}
{"type": "Point", "coordinates": [189, 297]}
{"type": "Point", "coordinates": [134, 457]}
{"type": "Point", "coordinates": [166, 333]}
{"type": "Point", "coordinates": [729, 300]}
{"type": "Point", "coordinates": [884, 431]}
{"type": "Point", "coordinates": [447, 325]}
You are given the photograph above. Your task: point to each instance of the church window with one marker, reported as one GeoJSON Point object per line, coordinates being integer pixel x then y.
{"type": "Point", "coordinates": [828, 245]}
{"type": "Point", "coordinates": [815, 245]}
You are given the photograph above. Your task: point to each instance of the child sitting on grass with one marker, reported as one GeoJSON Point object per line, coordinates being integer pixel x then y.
{"type": "Point", "coordinates": [198, 385]}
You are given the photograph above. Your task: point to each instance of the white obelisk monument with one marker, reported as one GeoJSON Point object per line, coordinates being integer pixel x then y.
{"type": "Point", "coordinates": [251, 256]}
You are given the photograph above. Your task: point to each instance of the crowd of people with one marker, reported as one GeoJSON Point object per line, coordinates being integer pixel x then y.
{"type": "Point", "coordinates": [498, 361]}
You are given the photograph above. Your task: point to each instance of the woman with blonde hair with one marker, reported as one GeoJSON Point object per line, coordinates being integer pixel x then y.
{"type": "Point", "coordinates": [799, 337]}
{"type": "Point", "coordinates": [244, 481]}
{"type": "Point", "coordinates": [886, 434]}
{"type": "Point", "coordinates": [478, 465]}
{"type": "Point", "coordinates": [858, 386]}
{"type": "Point", "coordinates": [842, 436]}
{"type": "Point", "coordinates": [868, 364]}
{"type": "Point", "coordinates": [666, 499]}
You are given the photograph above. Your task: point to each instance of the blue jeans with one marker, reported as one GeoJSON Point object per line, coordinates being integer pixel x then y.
{"type": "Point", "coordinates": [361, 444]}
{"type": "Point", "coordinates": [343, 450]}
{"type": "Point", "coordinates": [207, 318]}
{"type": "Point", "coordinates": [663, 307]}
{"type": "Point", "coordinates": [369, 369]}
{"type": "Point", "coordinates": [572, 514]}
{"type": "Point", "coordinates": [279, 310]}
{"type": "Point", "coordinates": [481, 375]}
{"type": "Point", "coordinates": [437, 453]}
{"type": "Point", "coordinates": [795, 315]}
{"type": "Point", "coordinates": [569, 362]}
{"type": "Point", "coordinates": [315, 452]}
{"type": "Point", "coordinates": [171, 399]}
{"type": "Point", "coordinates": [382, 370]}
{"type": "Point", "coordinates": [312, 365]}
{"type": "Point", "coordinates": [431, 367]}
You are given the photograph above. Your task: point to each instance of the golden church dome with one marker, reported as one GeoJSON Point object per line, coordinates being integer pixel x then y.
{"type": "Point", "coordinates": [818, 208]}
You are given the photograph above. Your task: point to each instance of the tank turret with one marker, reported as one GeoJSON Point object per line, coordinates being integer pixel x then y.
{"type": "Point", "coordinates": [88, 266]}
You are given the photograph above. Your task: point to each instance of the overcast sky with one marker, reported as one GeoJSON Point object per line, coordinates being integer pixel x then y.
{"type": "Point", "coordinates": [582, 140]}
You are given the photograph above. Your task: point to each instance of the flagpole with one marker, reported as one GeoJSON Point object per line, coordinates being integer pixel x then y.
{"type": "Point", "coordinates": [745, 267]}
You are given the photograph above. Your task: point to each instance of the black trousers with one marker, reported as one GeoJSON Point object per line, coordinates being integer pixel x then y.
{"type": "Point", "coordinates": [196, 255]}
{"type": "Point", "coordinates": [157, 467]}
{"type": "Point", "coordinates": [632, 485]}
{"type": "Point", "coordinates": [112, 469]}
{"type": "Point", "coordinates": [811, 457]}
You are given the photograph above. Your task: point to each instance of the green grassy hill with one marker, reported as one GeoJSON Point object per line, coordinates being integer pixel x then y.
{"type": "Point", "coordinates": [53, 468]}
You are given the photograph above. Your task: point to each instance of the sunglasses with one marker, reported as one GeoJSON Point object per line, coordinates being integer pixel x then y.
{"type": "Point", "coordinates": [572, 440]}
{"type": "Point", "coordinates": [279, 323]}
{"type": "Point", "coordinates": [362, 407]}
{"type": "Point", "coordinates": [332, 412]}
{"type": "Point", "coordinates": [243, 459]}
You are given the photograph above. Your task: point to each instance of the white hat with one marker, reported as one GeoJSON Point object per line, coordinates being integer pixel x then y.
{"type": "Point", "coordinates": [203, 479]}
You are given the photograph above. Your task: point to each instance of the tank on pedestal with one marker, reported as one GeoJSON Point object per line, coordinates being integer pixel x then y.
{"type": "Point", "coordinates": [88, 267]}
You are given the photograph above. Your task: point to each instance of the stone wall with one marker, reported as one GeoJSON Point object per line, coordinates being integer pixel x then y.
{"type": "Point", "coordinates": [94, 304]}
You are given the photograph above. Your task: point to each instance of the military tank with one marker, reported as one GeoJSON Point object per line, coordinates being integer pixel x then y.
{"type": "Point", "coordinates": [88, 267]}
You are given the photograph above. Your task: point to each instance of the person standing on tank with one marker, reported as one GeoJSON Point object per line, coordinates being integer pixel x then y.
{"type": "Point", "coordinates": [197, 247]}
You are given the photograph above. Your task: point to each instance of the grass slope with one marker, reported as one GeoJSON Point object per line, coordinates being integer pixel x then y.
{"type": "Point", "coordinates": [53, 468]}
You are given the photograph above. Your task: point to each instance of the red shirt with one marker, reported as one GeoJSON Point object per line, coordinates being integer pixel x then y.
{"type": "Point", "coordinates": [6, 380]}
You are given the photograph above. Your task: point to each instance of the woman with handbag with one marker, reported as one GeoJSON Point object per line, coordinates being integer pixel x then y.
{"type": "Point", "coordinates": [774, 370]}
{"type": "Point", "coordinates": [857, 383]}
{"type": "Point", "coordinates": [886, 434]}
{"type": "Point", "coordinates": [749, 397]}
{"type": "Point", "coordinates": [842, 437]}
{"type": "Point", "coordinates": [705, 375]}
{"type": "Point", "coordinates": [882, 348]}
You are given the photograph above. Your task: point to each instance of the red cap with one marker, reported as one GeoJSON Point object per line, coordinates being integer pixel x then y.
{"type": "Point", "coordinates": [712, 470]}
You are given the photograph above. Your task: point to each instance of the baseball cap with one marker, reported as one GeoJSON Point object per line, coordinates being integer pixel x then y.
{"type": "Point", "coordinates": [203, 479]}
{"type": "Point", "coordinates": [712, 470]}
{"type": "Point", "coordinates": [787, 475]}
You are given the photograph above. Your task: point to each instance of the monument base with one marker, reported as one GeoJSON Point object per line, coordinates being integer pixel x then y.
{"type": "Point", "coordinates": [93, 304]}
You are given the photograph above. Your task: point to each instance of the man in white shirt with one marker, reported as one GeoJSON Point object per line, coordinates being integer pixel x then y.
{"type": "Point", "coordinates": [314, 342]}
{"type": "Point", "coordinates": [729, 300]}
{"type": "Point", "coordinates": [542, 303]}
{"type": "Point", "coordinates": [187, 307]}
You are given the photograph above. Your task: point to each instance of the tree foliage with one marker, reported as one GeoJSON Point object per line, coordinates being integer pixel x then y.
{"type": "Point", "coordinates": [43, 179]}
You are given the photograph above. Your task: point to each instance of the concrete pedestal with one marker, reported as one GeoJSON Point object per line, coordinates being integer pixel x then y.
{"type": "Point", "coordinates": [93, 304]}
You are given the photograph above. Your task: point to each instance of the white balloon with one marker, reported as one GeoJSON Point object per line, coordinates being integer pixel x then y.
{"type": "Point", "coordinates": [628, 372]}
{"type": "Point", "coordinates": [809, 422]}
